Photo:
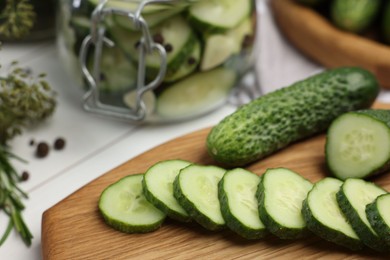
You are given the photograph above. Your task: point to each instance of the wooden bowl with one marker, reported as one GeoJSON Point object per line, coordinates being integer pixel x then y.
{"type": "Point", "coordinates": [317, 38]}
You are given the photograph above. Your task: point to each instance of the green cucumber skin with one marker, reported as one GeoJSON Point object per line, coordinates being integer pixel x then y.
{"type": "Point", "coordinates": [327, 233]}
{"type": "Point", "coordinates": [377, 222]}
{"type": "Point", "coordinates": [232, 222]}
{"type": "Point", "coordinates": [354, 15]}
{"type": "Point", "coordinates": [161, 206]}
{"type": "Point", "coordinates": [206, 28]}
{"type": "Point", "coordinates": [381, 115]}
{"type": "Point", "coordinates": [123, 227]}
{"type": "Point", "coordinates": [363, 232]}
{"type": "Point", "coordinates": [277, 119]}
{"type": "Point", "coordinates": [273, 226]}
{"type": "Point", "coordinates": [192, 210]}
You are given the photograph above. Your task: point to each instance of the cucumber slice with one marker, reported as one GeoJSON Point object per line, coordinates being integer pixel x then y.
{"type": "Point", "coordinates": [220, 47]}
{"type": "Point", "coordinates": [352, 198]}
{"type": "Point", "coordinates": [378, 215]}
{"type": "Point", "coordinates": [219, 15]}
{"type": "Point", "coordinates": [196, 94]}
{"type": "Point", "coordinates": [190, 64]}
{"type": "Point", "coordinates": [117, 73]}
{"type": "Point", "coordinates": [149, 99]}
{"type": "Point", "coordinates": [125, 208]}
{"type": "Point", "coordinates": [158, 188]}
{"type": "Point", "coordinates": [175, 33]}
{"type": "Point", "coordinates": [152, 19]}
{"type": "Point", "coordinates": [358, 144]}
{"type": "Point", "coordinates": [131, 5]}
{"type": "Point", "coordinates": [196, 189]}
{"type": "Point", "coordinates": [324, 218]}
{"type": "Point", "coordinates": [239, 207]}
{"type": "Point", "coordinates": [280, 195]}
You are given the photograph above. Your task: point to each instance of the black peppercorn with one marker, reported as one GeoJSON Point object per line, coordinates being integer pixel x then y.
{"type": "Point", "coordinates": [59, 143]}
{"type": "Point", "coordinates": [168, 47]}
{"type": "Point", "coordinates": [42, 150]}
{"type": "Point", "coordinates": [25, 176]}
{"type": "Point", "coordinates": [32, 142]}
{"type": "Point", "coordinates": [191, 60]}
{"type": "Point", "coordinates": [158, 38]}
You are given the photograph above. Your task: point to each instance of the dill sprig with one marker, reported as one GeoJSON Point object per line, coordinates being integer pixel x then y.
{"type": "Point", "coordinates": [17, 18]}
{"type": "Point", "coordinates": [25, 100]}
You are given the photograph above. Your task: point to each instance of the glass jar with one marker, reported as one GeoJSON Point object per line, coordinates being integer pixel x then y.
{"type": "Point", "coordinates": [27, 20]}
{"type": "Point", "coordinates": [156, 60]}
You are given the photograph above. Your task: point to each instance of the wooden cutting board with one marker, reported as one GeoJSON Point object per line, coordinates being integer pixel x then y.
{"type": "Point", "coordinates": [73, 228]}
{"type": "Point", "coordinates": [316, 37]}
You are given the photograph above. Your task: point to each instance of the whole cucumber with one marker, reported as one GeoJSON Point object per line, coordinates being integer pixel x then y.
{"type": "Point", "coordinates": [354, 15]}
{"type": "Point", "coordinates": [279, 118]}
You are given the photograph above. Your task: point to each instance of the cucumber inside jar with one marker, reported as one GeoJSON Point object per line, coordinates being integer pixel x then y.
{"type": "Point", "coordinates": [203, 64]}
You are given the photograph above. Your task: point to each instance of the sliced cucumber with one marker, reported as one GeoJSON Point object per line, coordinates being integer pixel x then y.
{"type": "Point", "coordinates": [219, 15]}
{"type": "Point", "coordinates": [220, 47]}
{"type": "Point", "coordinates": [324, 218]}
{"type": "Point", "coordinates": [358, 144]}
{"type": "Point", "coordinates": [196, 94]}
{"type": "Point", "coordinates": [352, 198]}
{"type": "Point", "coordinates": [158, 187]}
{"type": "Point", "coordinates": [175, 33]}
{"type": "Point", "coordinates": [280, 195]}
{"type": "Point", "coordinates": [125, 208]}
{"type": "Point", "coordinates": [239, 207]}
{"type": "Point", "coordinates": [196, 189]}
{"type": "Point", "coordinates": [117, 73]}
{"type": "Point", "coordinates": [131, 5]}
{"type": "Point", "coordinates": [152, 19]}
{"type": "Point", "coordinates": [189, 65]}
{"type": "Point", "coordinates": [149, 99]}
{"type": "Point", "coordinates": [378, 214]}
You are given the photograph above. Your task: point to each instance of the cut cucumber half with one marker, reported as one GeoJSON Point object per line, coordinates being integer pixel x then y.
{"type": "Point", "coordinates": [353, 197]}
{"type": "Point", "coordinates": [125, 208]}
{"type": "Point", "coordinates": [220, 47]}
{"type": "Point", "coordinates": [219, 15]}
{"type": "Point", "coordinates": [280, 195]}
{"type": "Point", "coordinates": [325, 219]}
{"type": "Point", "coordinates": [378, 214]}
{"type": "Point", "coordinates": [196, 94]}
{"type": "Point", "coordinates": [239, 206]}
{"type": "Point", "coordinates": [158, 188]}
{"type": "Point", "coordinates": [196, 189]}
{"type": "Point", "coordinates": [358, 144]}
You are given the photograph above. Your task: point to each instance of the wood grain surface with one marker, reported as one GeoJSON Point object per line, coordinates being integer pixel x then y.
{"type": "Point", "coordinates": [316, 37]}
{"type": "Point", "coordinates": [73, 228]}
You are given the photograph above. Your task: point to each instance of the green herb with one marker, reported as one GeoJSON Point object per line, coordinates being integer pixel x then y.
{"type": "Point", "coordinates": [11, 197]}
{"type": "Point", "coordinates": [17, 18]}
{"type": "Point", "coordinates": [25, 100]}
